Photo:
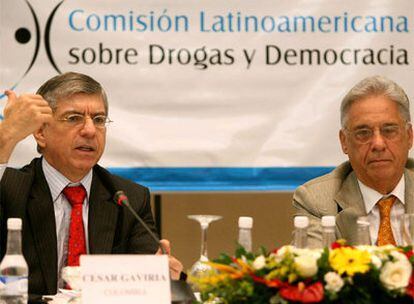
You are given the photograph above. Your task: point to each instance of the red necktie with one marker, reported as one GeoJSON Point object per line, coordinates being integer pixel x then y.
{"type": "Point", "coordinates": [76, 246]}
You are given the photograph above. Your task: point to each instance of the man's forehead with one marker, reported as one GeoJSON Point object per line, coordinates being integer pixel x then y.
{"type": "Point", "coordinates": [375, 109]}
{"type": "Point", "coordinates": [81, 103]}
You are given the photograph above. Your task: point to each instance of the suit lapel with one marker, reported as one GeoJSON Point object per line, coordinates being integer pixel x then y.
{"type": "Point", "coordinates": [102, 219]}
{"type": "Point", "coordinates": [42, 221]}
{"type": "Point", "coordinates": [409, 195]}
{"type": "Point", "coordinates": [349, 198]}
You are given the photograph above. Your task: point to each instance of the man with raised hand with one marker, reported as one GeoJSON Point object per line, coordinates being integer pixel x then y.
{"type": "Point", "coordinates": [64, 198]}
{"type": "Point", "coordinates": [378, 180]}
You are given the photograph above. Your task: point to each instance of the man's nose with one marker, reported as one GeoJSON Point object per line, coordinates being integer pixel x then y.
{"type": "Point", "coordinates": [378, 141]}
{"type": "Point", "coordinates": [88, 128]}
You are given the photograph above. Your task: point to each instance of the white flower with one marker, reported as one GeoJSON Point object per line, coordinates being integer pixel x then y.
{"type": "Point", "coordinates": [369, 248]}
{"type": "Point", "coordinates": [274, 257]}
{"type": "Point", "coordinates": [281, 253]}
{"type": "Point", "coordinates": [284, 250]}
{"type": "Point", "coordinates": [387, 247]}
{"type": "Point", "coordinates": [396, 275]}
{"type": "Point", "coordinates": [398, 256]}
{"type": "Point", "coordinates": [316, 253]}
{"type": "Point", "coordinates": [306, 265]}
{"type": "Point", "coordinates": [376, 261]}
{"type": "Point", "coordinates": [333, 281]}
{"type": "Point", "coordinates": [383, 252]}
{"type": "Point", "coordinates": [259, 262]}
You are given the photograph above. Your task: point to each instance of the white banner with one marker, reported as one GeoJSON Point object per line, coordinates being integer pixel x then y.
{"type": "Point", "coordinates": [211, 84]}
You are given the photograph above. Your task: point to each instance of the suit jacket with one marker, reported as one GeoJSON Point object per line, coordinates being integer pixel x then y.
{"type": "Point", "coordinates": [112, 229]}
{"type": "Point", "coordinates": [338, 193]}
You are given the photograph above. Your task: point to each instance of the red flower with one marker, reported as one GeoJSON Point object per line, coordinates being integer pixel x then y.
{"type": "Point", "coordinates": [336, 245]}
{"type": "Point", "coordinates": [410, 287]}
{"type": "Point", "coordinates": [275, 283]}
{"type": "Point", "coordinates": [409, 254]}
{"type": "Point", "coordinates": [303, 294]}
{"type": "Point", "coordinates": [340, 243]}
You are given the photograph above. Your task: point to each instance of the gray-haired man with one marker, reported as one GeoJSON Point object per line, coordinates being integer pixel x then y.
{"type": "Point", "coordinates": [378, 179]}
{"type": "Point", "coordinates": [68, 118]}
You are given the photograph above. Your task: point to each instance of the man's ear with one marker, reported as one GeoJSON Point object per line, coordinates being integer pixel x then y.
{"type": "Point", "coordinates": [410, 135]}
{"type": "Point", "coordinates": [40, 137]}
{"type": "Point", "coordinates": [342, 138]}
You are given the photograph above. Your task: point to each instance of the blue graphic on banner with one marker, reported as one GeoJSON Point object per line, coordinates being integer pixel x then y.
{"type": "Point", "coordinates": [221, 179]}
{"type": "Point", "coordinates": [1, 96]}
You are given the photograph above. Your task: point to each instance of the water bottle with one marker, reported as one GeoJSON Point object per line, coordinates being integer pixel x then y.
{"type": "Point", "coordinates": [363, 234]}
{"type": "Point", "coordinates": [245, 232]}
{"type": "Point", "coordinates": [300, 237]}
{"type": "Point", "coordinates": [13, 268]}
{"type": "Point", "coordinates": [328, 230]}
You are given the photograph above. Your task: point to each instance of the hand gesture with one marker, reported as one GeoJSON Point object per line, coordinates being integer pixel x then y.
{"type": "Point", "coordinates": [24, 114]}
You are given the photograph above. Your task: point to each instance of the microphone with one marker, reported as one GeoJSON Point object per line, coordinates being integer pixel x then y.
{"type": "Point", "coordinates": [122, 200]}
{"type": "Point", "coordinates": [181, 292]}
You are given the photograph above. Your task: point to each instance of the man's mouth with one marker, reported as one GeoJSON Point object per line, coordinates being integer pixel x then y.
{"type": "Point", "coordinates": [378, 161]}
{"type": "Point", "coordinates": [86, 148]}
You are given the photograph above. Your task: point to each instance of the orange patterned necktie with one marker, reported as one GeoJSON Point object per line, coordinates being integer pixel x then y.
{"type": "Point", "coordinates": [385, 235]}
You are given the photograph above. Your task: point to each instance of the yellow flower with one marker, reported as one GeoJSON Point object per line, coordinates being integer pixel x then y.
{"type": "Point", "coordinates": [349, 260]}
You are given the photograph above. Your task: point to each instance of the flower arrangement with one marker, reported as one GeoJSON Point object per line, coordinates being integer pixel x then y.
{"type": "Point", "coordinates": [340, 274]}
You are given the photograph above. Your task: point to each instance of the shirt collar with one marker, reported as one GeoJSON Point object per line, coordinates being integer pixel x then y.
{"type": "Point", "coordinates": [371, 196]}
{"type": "Point", "coordinates": [57, 181]}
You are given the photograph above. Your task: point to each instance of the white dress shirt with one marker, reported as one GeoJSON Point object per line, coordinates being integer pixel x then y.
{"type": "Point", "coordinates": [371, 197]}
{"type": "Point", "coordinates": [2, 168]}
{"type": "Point", "coordinates": [57, 182]}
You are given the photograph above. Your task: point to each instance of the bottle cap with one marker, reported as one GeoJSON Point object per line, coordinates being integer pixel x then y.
{"type": "Point", "coordinates": [328, 221]}
{"type": "Point", "coordinates": [301, 221]}
{"type": "Point", "coordinates": [245, 222]}
{"type": "Point", "coordinates": [14, 224]}
{"type": "Point", "coordinates": [363, 221]}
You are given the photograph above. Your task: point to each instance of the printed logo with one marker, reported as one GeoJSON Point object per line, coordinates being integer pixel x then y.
{"type": "Point", "coordinates": [22, 43]}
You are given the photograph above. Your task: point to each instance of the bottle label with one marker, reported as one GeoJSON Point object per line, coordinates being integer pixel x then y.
{"type": "Point", "coordinates": [13, 285]}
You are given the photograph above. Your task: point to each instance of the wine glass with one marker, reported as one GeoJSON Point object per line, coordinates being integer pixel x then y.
{"type": "Point", "coordinates": [200, 268]}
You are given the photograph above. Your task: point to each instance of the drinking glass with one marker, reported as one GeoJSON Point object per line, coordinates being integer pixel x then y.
{"type": "Point", "coordinates": [200, 268]}
{"type": "Point", "coordinates": [407, 229]}
{"type": "Point", "coordinates": [71, 275]}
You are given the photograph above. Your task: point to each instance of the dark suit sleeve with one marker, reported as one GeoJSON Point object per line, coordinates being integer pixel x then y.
{"type": "Point", "coordinates": [2, 169]}
{"type": "Point", "coordinates": [140, 240]}
{"type": "Point", "coordinates": [2, 235]}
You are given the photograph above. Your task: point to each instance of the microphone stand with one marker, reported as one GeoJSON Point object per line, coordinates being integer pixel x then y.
{"type": "Point", "coordinates": [181, 292]}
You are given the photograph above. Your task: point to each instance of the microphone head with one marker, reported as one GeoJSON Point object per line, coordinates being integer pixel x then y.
{"type": "Point", "coordinates": [120, 198]}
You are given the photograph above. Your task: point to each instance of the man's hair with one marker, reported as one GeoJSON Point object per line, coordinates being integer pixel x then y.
{"type": "Point", "coordinates": [68, 84]}
{"type": "Point", "coordinates": [64, 86]}
{"type": "Point", "coordinates": [376, 86]}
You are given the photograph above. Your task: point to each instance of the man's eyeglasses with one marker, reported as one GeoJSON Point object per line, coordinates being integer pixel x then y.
{"type": "Point", "coordinates": [74, 120]}
{"type": "Point", "coordinates": [365, 135]}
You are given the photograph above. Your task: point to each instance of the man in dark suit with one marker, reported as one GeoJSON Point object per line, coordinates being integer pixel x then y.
{"type": "Point", "coordinates": [68, 118]}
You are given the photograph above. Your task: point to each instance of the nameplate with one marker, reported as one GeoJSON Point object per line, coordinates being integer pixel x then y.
{"type": "Point", "coordinates": [125, 279]}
